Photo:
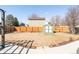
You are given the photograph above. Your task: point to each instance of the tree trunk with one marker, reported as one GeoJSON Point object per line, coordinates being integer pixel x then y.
{"type": "Point", "coordinates": [72, 30]}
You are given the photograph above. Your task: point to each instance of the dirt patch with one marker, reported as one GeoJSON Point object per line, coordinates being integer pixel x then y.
{"type": "Point", "coordinates": [43, 39]}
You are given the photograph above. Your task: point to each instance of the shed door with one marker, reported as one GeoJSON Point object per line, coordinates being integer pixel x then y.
{"type": "Point", "coordinates": [48, 29]}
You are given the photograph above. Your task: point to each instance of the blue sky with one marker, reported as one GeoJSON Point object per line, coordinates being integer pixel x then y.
{"type": "Point", "coordinates": [22, 12]}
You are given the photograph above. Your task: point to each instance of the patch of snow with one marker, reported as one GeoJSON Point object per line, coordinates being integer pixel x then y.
{"type": "Point", "coordinates": [70, 48]}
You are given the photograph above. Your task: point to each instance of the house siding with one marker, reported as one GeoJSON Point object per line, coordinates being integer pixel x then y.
{"type": "Point", "coordinates": [36, 23]}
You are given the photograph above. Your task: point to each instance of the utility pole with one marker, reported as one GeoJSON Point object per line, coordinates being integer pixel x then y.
{"type": "Point", "coordinates": [2, 26]}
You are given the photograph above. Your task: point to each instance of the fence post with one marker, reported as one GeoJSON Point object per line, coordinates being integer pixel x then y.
{"type": "Point", "coordinates": [2, 28]}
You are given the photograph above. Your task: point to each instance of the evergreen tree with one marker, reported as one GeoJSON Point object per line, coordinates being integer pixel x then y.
{"type": "Point", "coordinates": [11, 21]}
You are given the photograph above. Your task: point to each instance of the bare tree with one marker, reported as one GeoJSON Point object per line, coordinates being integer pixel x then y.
{"type": "Point", "coordinates": [55, 21]}
{"type": "Point", "coordinates": [63, 23]}
{"type": "Point", "coordinates": [72, 17]}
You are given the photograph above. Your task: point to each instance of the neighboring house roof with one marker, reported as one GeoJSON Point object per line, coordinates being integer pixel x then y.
{"type": "Point", "coordinates": [35, 17]}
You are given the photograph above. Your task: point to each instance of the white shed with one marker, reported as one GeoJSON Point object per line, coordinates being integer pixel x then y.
{"type": "Point", "coordinates": [48, 28]}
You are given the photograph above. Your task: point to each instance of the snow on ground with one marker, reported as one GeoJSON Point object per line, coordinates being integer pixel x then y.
{"type": "Point", "coordinates": [70, 48]}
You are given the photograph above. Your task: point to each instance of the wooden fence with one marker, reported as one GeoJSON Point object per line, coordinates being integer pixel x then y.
{"type": "Point", "coordinates": [9, 29]}
{"type": "Point", "coordinates": [29, 29]}
{"type": "Point", "coordinates": [62, 29]}
{"type": "Point", "coordinates": [40, 29]}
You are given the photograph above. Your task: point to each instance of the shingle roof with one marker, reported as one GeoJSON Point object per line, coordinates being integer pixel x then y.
{"type": "Point", "coordinates": [35, 17]}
